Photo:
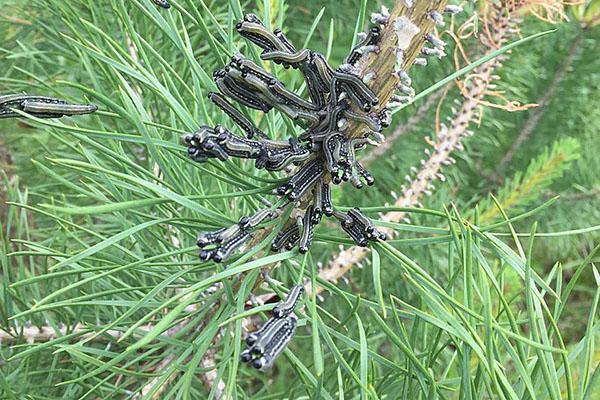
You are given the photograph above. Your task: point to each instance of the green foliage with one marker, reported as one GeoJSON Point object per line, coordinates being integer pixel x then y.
{"type": "Point", "coordinates": [528, 186]}
{"type": "Point", "coordinates": [99, 229]}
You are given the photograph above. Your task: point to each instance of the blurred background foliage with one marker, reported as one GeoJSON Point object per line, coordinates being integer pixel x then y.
{"type": "Point", "coordinates": [83, 50]}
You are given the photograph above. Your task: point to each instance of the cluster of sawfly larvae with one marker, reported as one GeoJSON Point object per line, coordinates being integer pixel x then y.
{"type": "Point", "coordinates": [321, 155]}
{"type": "Point", "coordinates": [265, 344]}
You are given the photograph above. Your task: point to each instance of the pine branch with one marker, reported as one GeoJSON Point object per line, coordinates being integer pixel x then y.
{"type": "Point", "coordinates": [45, 333]}
{"type": "Point", "coordinates": [416, 20]}
{"type": "Point", "coordinates": [403, 37]}
{"type": "Point", "coordinates": [448, 140]}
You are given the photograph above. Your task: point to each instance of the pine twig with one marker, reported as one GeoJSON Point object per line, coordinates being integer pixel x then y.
{"type": "Point", "coordinates": [405, 31]}
{"type": "Point", "coordinates": [400, 42]}
{"type": "Point", "coordinates": [404, 34]}
{"type": "Point", "coordinates": [448, 140]}
{"type": "Point", "coordinates": [45, 333]}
